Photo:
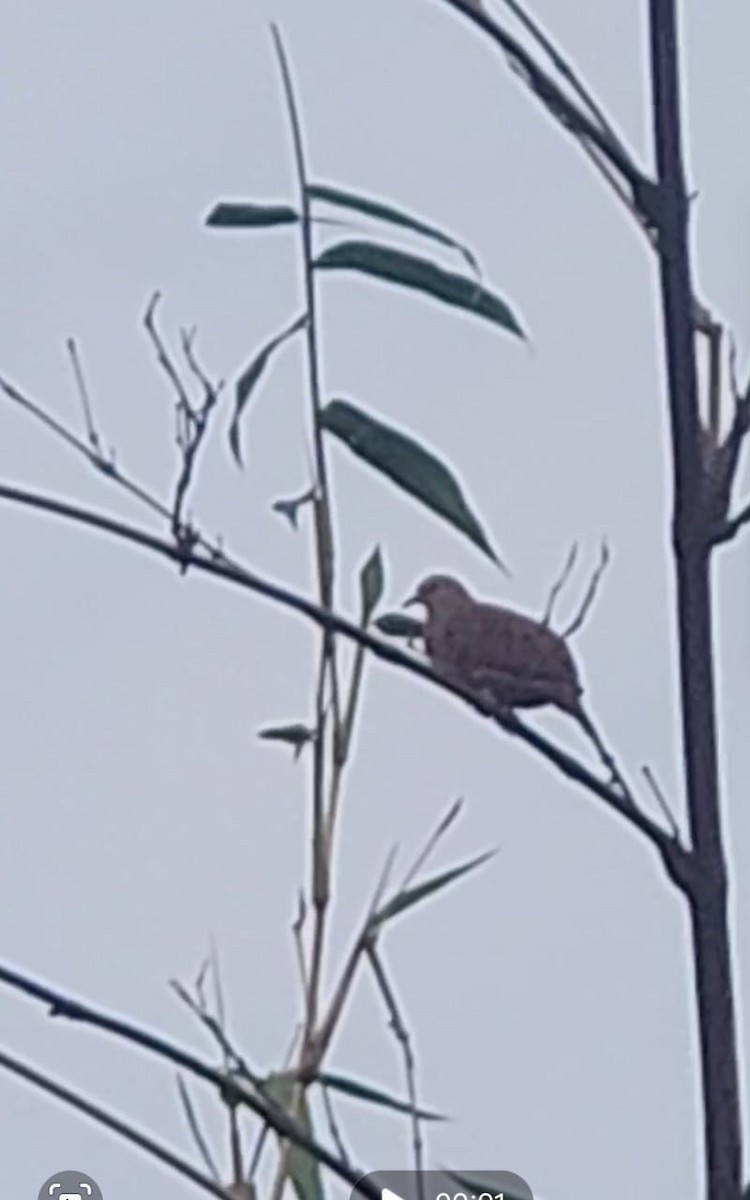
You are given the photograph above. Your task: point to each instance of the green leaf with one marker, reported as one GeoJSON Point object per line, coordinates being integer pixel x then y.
{"type": "Point", "coordinates": [296, 736]}
{"type": "Point", "coordinates": [395, 624]}
{"type": "Point", "coordinates": [371, 584]}
{"type": "Point", "coordinates": [422, 891]}
{"type": "Point", "coordinates": [232, 214]}
{"type": "Point", "coordinates": [303, 1169]}
{"type": "Point", "coordinates": [386, 212]}
{"type": "Point", "coordinates": [396, 266]}
{"type": "Point", "coordinates": [249, 378]}
{"type": "Point", "coordinates": [414, 469]}
{"type": "Point", "coordinates": [363, 1091]}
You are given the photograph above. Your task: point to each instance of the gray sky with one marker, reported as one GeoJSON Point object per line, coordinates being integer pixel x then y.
{"type": "Point", "coordinates": [548, 996]}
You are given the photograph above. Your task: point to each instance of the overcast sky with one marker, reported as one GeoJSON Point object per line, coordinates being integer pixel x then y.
{"type": "Point", "coordinates": [548, 996]}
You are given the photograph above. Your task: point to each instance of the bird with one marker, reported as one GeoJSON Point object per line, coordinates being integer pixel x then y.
{"type": "Point", "coordinates": [505, 658]}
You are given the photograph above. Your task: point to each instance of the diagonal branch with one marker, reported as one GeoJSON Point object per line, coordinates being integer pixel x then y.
{"type": "Point", "coordinates": [676, 859]}
{"type": "Point", "coordinates": [589, 131]}
{"type": "Point", "coordinates": [63, 1005]}
{"type": "Point", "coordinates": [124, 1130]}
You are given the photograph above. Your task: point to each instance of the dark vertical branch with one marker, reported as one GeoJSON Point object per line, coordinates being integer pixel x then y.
{"type": "Point", "coordinates": [707, 896]}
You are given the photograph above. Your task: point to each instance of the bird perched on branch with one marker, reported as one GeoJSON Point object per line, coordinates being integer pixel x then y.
{"type": "Point", "coordinates": [506, 658]}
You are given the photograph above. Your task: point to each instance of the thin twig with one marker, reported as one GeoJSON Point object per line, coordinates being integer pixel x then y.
{"type": "Point", "coordinates": [233, 1060]}
{"type": "Point", "coordinates": [560, 583]}
{"type": "Point", "coordinates": [88, 414]}
{"type": "Point", "coordinates": [333, 1126]}
{"type": "Point", "coordinates": [162, 357]}
{"type": "Point", "coordinates": [606, 756]}
{"type": "Point", "coordinates": [194, 1126]}
{"type": "Point", "coordinates": [366, 934]}
{"type": "Point", "coordinates": [123, 1129]}
{"type": "Point", "coordinates": [661, 800]}
{"type": "Point", "coordinates": [566, 112]}
{"type": "Point", "coordinates": [594, 153]}
{"type": "Point", "coordinates": [590, 595]}
{"type": "Point", "coordinates": [563, 68]}
{"type": "Point", "coordinates": [107, 467]}
{"type": "Point", "coordinates": [402, 1037]}
{"type": "Point", "coordinates": [298, 926]}
{"type": "Point", "coordinates": [192, 421]}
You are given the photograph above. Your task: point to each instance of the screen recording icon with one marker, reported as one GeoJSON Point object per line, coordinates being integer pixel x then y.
{"type": "Point", "coordinates": [70, 1185]}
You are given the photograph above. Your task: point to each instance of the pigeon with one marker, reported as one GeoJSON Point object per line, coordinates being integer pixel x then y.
{"type": "Point", "coordinates": [508, 660]}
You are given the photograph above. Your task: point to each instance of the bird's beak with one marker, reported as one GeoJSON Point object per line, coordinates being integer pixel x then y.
{"type": "Point", "coordinates": [414, 599]}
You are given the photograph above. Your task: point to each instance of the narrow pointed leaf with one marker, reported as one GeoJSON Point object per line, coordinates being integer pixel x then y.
{"type": "Point", "coordinates": [231, 214]}
{"type": "Point", "coordinates": [414, 469]}
{"type": "Point", "coordinates": [422, 891]}
{"type": "Point", "coordinates": [363, 1091]}
{"type": "Point", "coordinates": [411, 271]}
{"type": "Point", "coordinates": [250, 377]}
{"type": "Point", "coordinates": [395, 624]}
{"type": "Point", "coordinates": [303, 1169]}
{"type": "Point", "coordinates": [297, 736]}
{"type": "Point", "coordinates": [380, 211]}
{"type": "Point", "coordinates": [371, 584]}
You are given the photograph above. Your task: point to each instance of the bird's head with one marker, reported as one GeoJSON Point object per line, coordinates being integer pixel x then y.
{"type": "Point", "coordinates": [438, 590]}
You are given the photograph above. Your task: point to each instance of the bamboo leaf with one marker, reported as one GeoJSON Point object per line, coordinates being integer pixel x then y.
{"type": "Point", "coordinates": [371, 584]}
{"type": "Point", "coordinates": [396, 624]}
{"type": "Point", "coordinates": [414, 469]}
{"type": "Point", "coordinates": [297, 736]}
{"type": "Point", "coordinates": [411, 271]}
{"type": "Point", "coordinates": [231, 214]}
{"type": "Point", "coordinates": [249, 379]}
{"type": "Point", "coordinates": [422, 891]}
{"type": "Point", "coordinates": [380, 211]}
{"type": "Point", "coordinates": [363, 1091]}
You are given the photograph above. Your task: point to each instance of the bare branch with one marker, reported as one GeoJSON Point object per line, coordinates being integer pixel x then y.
{"type": "Point", "coordinates": [333, 1126]}
{"type": "Point", "coordinates": [88, 415]}
{"type": "Point", "coordinates": [563, 68]}
{"type": "Point", "coordinates": [123, 1129]}
{"type": "Point", "coordinates": [233, 1061]}
{"type": "Point", "coordinates": [560, 583]}
{"type": "Point", "coordinates": [106, 466]}
{"type": "Point", "coordinates": [606, 756]}
{"type": "Point", "coordinates": [401, 1034]}
{"type": "Point", "coordinates": [192, 422]}
{"type": "Point", "coordinates": [194, 1126]}
{"type": "Point", "coordinates": [587, 131]}
{"type": "Point", "coordinates": [661, 800]}
{"type": "Point", "coordinates": [591, 591]}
